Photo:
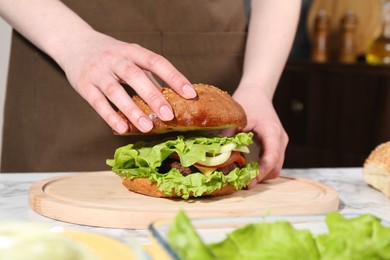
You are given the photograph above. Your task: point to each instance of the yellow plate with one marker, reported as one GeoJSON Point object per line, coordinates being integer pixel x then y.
{"type": "Point", "coordinates": [103, 246]}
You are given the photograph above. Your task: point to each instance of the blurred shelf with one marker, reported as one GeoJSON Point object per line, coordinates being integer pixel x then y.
{"type": "Point", "coordinates": [334, 113]}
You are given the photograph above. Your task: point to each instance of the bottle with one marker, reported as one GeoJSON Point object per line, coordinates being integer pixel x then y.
{"type": "Point", "coordinates": [319, 52]}
{"type": "Point", "coordinates": [379, 50]}
{"type": "Point", "coordinates": [348, 46]}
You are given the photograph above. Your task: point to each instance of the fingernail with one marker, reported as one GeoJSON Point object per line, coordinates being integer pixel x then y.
{"type": "Point", "coordinates": [252, 184]}
{"type": "Point", "coordinates": [145, 124]}
{"type": "Point", "coordinates": [189, 91]}
{"type": "Point", "coordinates": [121, 128]}
{"type": "Point", "coordinates": [166, 113]}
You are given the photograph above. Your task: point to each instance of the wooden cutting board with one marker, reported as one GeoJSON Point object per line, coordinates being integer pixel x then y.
{"type": "Point", "coordinates": [100, 199]}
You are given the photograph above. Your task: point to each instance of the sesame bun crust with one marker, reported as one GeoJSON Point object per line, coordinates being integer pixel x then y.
{"type": "Point", "coordinates": [211, 109]}
{"type": "Point", "coordinates": [145, 187]}
{"type": "Point", "coordinates": [376, 169]}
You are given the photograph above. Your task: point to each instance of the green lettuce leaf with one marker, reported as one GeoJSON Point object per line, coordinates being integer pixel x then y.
{"type": "Point", "coordinates": [190, 150]}
{"type": "Point", "coordinates": [185, 241]}
{"type": "Point", "coordinates": [278, 240]}
{"type": "Point", "coordinates": [362, 237]}
{"type": "Point", "coordinates": [141, 160]}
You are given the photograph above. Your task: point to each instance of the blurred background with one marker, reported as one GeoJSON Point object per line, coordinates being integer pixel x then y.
{"type": "Point", "coordinates": [333, 97]}
{"type": "Point", "coordinates": [5, 44]}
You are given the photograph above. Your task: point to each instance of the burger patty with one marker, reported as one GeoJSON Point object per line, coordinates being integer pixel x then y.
{"type": "Point", "coordinates": [170, 163]}
{"type": "Point", "coordinates": [183, 170]}
{"type": "Point", "coordinates": [228, 168]}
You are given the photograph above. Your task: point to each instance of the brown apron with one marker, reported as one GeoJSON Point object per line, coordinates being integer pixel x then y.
{"type": "Point", "coordinates": [49, 127]}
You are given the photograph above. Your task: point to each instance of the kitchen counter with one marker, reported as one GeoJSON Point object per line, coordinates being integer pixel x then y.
{"type": "Point", "coordinates": [356, 197]}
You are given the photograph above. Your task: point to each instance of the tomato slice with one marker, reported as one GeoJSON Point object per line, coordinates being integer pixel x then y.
{"type": "Point", "coordinates": [235, 156]}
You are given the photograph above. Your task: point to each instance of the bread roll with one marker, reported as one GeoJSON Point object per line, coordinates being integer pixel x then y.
{"type": "Point", "coordinates": [145, 187]}
{"type": "Point", "coordinates": [211, 109]}
{"type": "Point", "coordinates": [376, 169]}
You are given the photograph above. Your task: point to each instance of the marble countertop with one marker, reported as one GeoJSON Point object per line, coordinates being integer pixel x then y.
{"type": "Point", "coordinates": [356, 197]}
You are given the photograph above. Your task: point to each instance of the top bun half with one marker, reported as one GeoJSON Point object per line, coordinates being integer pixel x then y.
{"type": "Point", "coordinates": [211, 109]}
{"type": "Point", "coordinates": [376, 168]}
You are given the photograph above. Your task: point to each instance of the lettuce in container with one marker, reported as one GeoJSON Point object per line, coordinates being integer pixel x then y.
{"type": "Point", "coordinates": [361, 237]}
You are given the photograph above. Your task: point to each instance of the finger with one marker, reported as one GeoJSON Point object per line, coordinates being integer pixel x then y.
{"type": "Point", "coordinates": [267, 175]}
{"type": "Point", "coordinates": [111, 89]}
{"type": "Point", "coordinates": [252, 184]}
{"type": "Point", "coordinates": [152, 79]}
{"type": "Point", "coordinates": [275, 172]}
{"type": "Point", "coordinates": [162, 68]}
{"type": "Point", "coordinates": [272, 156]}
{"type": "Point", "coordinates": [141, 83]}
{"type": "Point", "coordinates": [99, 102]}
{"type": "Point", "coordinates": [228, 131]}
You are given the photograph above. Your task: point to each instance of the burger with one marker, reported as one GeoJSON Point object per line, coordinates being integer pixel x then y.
{"type": "Point", "coordinates": [212, 109]}
{"type": "Point", "coordinates": [186, 167]}
{"type": "Point", "coordinates": [189, 166]}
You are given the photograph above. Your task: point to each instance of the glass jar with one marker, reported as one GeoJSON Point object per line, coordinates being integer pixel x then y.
{"type": "Point", "coordinates": [379, 50]}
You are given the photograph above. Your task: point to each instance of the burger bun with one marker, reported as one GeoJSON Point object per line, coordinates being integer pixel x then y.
{"type": "Point", "coordinates": [145, 187]}
{"type": "Point", "coordinates": [212, 108]}
{"type": "Point", "coordinates": [376, 169]}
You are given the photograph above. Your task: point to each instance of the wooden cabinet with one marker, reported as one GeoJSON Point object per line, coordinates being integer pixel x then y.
{"type": "Point", "coordinates": [335, 114]}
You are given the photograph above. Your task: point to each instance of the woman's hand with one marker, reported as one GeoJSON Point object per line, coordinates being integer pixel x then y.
{"type": "Point", "coordinates": [268, 44]}
{"type": "Point", "coordinates": [97, 66]}
{"type": "Point", "coordinates": [269, 133]}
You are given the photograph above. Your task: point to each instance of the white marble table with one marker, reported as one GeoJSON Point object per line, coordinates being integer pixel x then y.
{"type": "Point", "coordinates": [356, 197]}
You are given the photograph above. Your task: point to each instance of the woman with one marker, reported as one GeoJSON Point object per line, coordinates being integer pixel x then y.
{"type": "Point", "coordinates": [103, 45]}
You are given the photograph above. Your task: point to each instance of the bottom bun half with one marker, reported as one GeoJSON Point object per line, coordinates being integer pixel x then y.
{"type": "Point", "coordinates": [145, 187]}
